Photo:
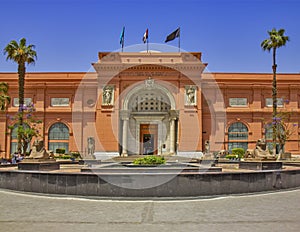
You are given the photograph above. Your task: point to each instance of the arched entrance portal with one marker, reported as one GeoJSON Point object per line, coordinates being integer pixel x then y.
{"type": "Point", "coordinates": [149, 120]}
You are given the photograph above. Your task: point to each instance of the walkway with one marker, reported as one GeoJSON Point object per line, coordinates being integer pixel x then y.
{"type": "Point", "coordinates": [263, 212]}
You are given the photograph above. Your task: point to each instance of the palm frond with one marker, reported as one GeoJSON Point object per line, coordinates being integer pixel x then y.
{"type": "Point", "coordinates": [22, 42]}
{"type": "Point", "coordinates": [20, 53]}
{"type": "Point", "coordinates": [3, 87]}
{"type": "Point", "coordinates": [276, 39]}
{"type": "Point", "coordinates": [4, 98]}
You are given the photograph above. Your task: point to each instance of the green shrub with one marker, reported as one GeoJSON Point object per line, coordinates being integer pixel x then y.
{"type": "Point", "coordinates": [75, 154]}
{"type": "Point", "coordinates": [60, 150]}
{"type": "Point", "coordinates": [239, 152]}
{"type": "Point", "coordinates": [62, 156]}
{"type": "Point", "coordinates": [231, 156]}
{"type": "Point", "coordinates": [65, 156]}
{"type": "Point", "coordinates": [150, 160]}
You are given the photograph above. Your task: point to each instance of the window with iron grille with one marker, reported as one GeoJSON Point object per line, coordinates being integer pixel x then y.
{"type": "Point", "coordinates": [58, 137]}
{"type": "Point", "coordinates": [237, 136]}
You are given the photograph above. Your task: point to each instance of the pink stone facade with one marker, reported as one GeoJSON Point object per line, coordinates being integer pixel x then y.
{"type": "Point", "coordinates": [109, 106]}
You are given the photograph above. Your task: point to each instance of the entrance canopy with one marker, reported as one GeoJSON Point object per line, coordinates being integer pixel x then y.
{"type": "Point", "coordinates": [148, 119]}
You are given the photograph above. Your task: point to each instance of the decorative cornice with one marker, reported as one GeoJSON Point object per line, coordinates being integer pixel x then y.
{"type": "Point", "coordinates": [149, 73]}
{"type": "Point", "coordinates": [114, 63]}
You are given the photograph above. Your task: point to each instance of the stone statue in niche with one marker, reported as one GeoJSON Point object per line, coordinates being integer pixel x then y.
{"type": "Point", "coordinates": [108, 95]}
{"type": "Point", "coordinates": [190, 95]}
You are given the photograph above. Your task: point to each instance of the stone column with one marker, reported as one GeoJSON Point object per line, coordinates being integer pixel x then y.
{"type": "Point", "coordinates": [173, 116]}
{"type": "Point", "coordinates": [124, 140]}
{"type": "Point", "coordinates": [124, 114]}
{"type": "Point", "coordinates": [172, 136]}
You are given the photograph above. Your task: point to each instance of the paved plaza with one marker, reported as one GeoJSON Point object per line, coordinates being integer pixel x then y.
{"type": "Point", "coordinates": [279, 211]}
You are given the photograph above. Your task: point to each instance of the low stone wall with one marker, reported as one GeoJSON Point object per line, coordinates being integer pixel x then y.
{"type": "Point", "coordinates": [182, 185]}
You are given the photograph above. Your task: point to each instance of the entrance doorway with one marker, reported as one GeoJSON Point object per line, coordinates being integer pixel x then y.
{"type": "Point", "coordinates": [148, 139]}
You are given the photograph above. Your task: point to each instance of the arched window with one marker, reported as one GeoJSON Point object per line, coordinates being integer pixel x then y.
{"type": "Point", "coordinates": [237, 136]}
{"type": "Point", "coordinates": [58, 137]}
{"type": "Point", "coordinates": [14, 139]}
{"type": "Point", "coordinates": [269, 134]}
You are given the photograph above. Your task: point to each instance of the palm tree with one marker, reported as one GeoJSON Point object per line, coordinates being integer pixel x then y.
{"type": "Point", "coordinates": [276, 40]}
{"type": "Point", "coordinates": [4, 98]}
{"type": "Point", "coordinates": [21, 54]}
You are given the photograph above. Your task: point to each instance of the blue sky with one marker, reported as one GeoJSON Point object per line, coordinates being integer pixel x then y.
{"type": "Point", "coordinates": [69, 33]}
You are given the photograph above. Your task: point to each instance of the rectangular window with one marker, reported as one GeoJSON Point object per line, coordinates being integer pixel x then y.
{"type": "Point", "coordinates": [269, 102]}
{"type": "Point", "coordinates": [62, 101]}
{"type": "Point", "coordinates": [27, 101]}
{"type": "Point", "coordinates": [238, 102]}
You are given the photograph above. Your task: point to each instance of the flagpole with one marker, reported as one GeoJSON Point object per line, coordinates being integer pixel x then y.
{"type": "Point", "coordinates": [147, 45]}
{"type": "Point", "coordinates": [147, 40]}
{"type": "Point", "coordinates": [179, 40]}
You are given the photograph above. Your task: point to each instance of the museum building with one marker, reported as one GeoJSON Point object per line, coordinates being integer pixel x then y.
{"type": "Point", "coordinates": [162, 103]}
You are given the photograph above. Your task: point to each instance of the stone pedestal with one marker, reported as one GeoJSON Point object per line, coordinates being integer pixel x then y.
{"type": "Point", "coordinates": [260, 165]}
{"type": "Point", "coordinates": [286, 155]}
{"type": "Point", "coordinates": [38, 164]}
{"type": "Point", "coordinates": [89, 162]}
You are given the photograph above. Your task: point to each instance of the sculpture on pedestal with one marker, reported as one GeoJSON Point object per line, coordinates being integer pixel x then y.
{"type": "Point", "coordinates": [260, 151]}
{"type": "Point", "coordinates": [38, 151]}
{"type": "Point", "coordinates": [207, 147]}
{"type": "Point", "coordinates": [91, 145]}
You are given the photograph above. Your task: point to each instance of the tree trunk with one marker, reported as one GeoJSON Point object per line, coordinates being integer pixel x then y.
{"type": "Point", "coordinates": [25, 147]}
{"type": "Point", "coordinates": [281, 151]}
{"type": "Point", "coordinates": [274, 98]}
{"type": "Point", "coordinates": [21, 72]}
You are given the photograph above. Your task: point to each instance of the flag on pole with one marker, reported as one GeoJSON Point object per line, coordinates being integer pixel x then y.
{"type": "Point", "coordinates": [173, 35]}
{"type": "Point", "coordinates": [122, 38]}
{"type": "Point", "coordinates": [145, 37]}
